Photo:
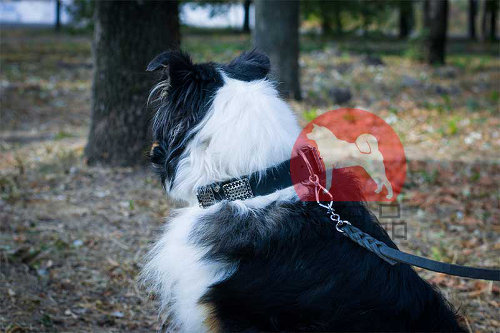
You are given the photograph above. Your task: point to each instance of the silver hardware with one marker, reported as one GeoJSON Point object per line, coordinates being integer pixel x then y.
{"type": "Point", "coordinates": [314, 180]}
{"type": "Point", "coordinates": [340, 224]}
{"type": "Point", "coordinates": [238, 190]}
{"type": "Point", "coordinates": [217, 188]}
{"type": "Point", "coordinates": [205, 196]}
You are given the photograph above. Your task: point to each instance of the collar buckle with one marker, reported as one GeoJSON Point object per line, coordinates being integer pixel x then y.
{"type": "Point", "coordinates": [205, 195]}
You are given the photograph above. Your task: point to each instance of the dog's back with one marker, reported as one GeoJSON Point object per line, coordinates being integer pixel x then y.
{"type": "Point", "coordinates": [296, 272]}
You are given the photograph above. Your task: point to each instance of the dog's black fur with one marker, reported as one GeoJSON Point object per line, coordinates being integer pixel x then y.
{"type": "Point", "coordinates": [295, 272]}
{"type": "Point", "coordinates": [188, 94]}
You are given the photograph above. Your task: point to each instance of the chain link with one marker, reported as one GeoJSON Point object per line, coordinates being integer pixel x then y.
{"type": "Point", "coordinates": [318, 188]}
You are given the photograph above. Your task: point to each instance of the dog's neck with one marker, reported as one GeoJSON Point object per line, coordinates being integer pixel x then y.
{"type": "Point", "coordinates": [249, 128]}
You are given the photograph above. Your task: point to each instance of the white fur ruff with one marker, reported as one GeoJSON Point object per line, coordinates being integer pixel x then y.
{"type": "Point", "coordinates": [248, 128]}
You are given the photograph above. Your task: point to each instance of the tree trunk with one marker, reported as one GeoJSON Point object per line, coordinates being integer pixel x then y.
{"type": "Point", "coordinates": [326, 26]}
{"type": "Point", "coordinates": [246, 18]}
{"type": "Point", "coordinates": [325, 10]}
{"type": "Point", "coordinates": [405, 18]}
{"type": "Point", "coordinates": [436, 39]}
{"type": "Point", "coordinates": [365, 21]}
{"type": "Point", "coordinates": [493, 19]}
{"type": "Point", "coordinates": [127, 35]}
{"type": "Point", "coordinates": [489, 11]}
{"type": "Point", "coordinates": [484, 20]}
{"type": "Point", "coordinates": [472, 19]}
{"type": "Point", "coordinates": [338, 21]}
{"type": "Point", "coordinates": [277, 34]}
{"type": "Point", "coordinates": [58, 16]}
{"type": "Point", "coordinates": [426, 15]}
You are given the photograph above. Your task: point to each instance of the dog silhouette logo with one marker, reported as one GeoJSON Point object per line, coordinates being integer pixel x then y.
{"type": "Point", "coordinates": [339, 154]}
{"type": "Point", "coordinates": [362, 155]}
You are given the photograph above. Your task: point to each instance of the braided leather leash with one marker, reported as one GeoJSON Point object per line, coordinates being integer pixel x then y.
{"type": "Point", "coordinates": [366, 241]}
{"type": "Point", "coordinates": [388, 254]}
{"type": "Point", "coordinates": [393, 256]}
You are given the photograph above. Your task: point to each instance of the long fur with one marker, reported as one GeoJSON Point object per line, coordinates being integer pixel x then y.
{"type": "Point", "coordinates": [270, 263]}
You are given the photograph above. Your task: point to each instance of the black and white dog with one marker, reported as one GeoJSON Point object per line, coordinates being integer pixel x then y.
{"type": "Point", "coordinates": [273, 262]}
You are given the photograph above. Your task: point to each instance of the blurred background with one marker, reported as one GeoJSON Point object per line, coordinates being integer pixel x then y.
{"type": "Point", "coordinates": [79, 206]}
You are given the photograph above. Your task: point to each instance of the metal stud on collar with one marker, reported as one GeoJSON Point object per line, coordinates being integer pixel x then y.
{"type": "Point", "coordinates": [205, 196]}
{"type": "Point", "coordinates": [238, 190]}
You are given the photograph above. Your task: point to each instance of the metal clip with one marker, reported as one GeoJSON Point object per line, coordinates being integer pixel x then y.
{"type": "Point", "coordinates": [314, 180]}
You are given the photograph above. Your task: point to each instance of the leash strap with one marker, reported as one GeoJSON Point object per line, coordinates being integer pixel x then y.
{"type": "Point", "coordinates": [388, 254]}
{"type": "Point", "coordinates": [309, 166]}
{"type": "Point", "coordinates": [393, 256]}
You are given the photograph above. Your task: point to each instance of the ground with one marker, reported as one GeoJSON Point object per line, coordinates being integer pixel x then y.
{"type": "Point", "coordinates": [73, 236]}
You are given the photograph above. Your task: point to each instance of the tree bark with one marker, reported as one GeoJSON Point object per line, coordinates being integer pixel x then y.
{"type": "Point", "coordinates": [426, 14]}
{"type": "Point", "coordinates": [325, 11]}
{"type": "Point", "coordinates": [493, 19]}
{"type": "Point", "coordinates": [58, 16]}
{"type": "Point", "coordinates": [484, 20]}
{"type": "Point", "coordinates": [472, 19]}
{"type": "Point", "coordinates": [277, 34]}
{"type": "Point", "coordinates": [326, 25]}
{"type": "Point", "coordinates": [437, 17]}
{"type": "Point", "coordinates": [489, 11]}
{"type": "Point", "coordinates": [246, 17]}
{"type": "Point", "coordinates": [127, 35]}
{"type": "Point", "coordinates": [338, 21]}
{"type": "Point", "coordinates": [405, 18]}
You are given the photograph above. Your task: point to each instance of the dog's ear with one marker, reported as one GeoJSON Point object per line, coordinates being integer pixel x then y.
{"type": "Point", "coordinates": [160, 61]}
{"type": "Point", "coordinates": [171, 60]}
{"type": "Point", "coordinates": [179, 68]}
{"type": "Point", "coordinates": [249, 66]}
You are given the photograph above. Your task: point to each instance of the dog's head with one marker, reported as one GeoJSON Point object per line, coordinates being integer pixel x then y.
{"type": "Point", "coordinates": [216, 121]}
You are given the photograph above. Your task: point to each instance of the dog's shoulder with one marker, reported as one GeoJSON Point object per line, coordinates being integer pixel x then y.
{"type": "Point", "coordinates": [229, 230]}
{"type": "Point", "coordinates": [295, 271]}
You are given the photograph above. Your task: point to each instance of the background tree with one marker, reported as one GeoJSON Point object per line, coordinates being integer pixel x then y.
{"type": "Point", "coordinates": [127, 35]}
{"type": "Point", "coordinates": [489, 19]}
{"type": "Point", "coordinates": [277, 34]}
{"type": "Point", "coordinates": [328, 13]}
{"type": "Point", "coordinates": [370, 11]}
{"type": "Point", "coordinates": [246, 15]}
{"type": "Point", "coordinates": [436, 23]}
{"type": "Point", "coordinates": [221, 7]}
{"type": "Point", "coordinates": [472, 13]}
{"type": "Point", "coordinates": [58, 15]}
{"type": "Point", "coordinates": [406, 18]}
{"type": "Point", "coordinates": [81, 13]}
{"type": "Point", "coordinates": [494, 4]}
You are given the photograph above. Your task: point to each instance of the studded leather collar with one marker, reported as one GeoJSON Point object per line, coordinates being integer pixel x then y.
{"type": "Point", "coordinates": [258, 183]}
